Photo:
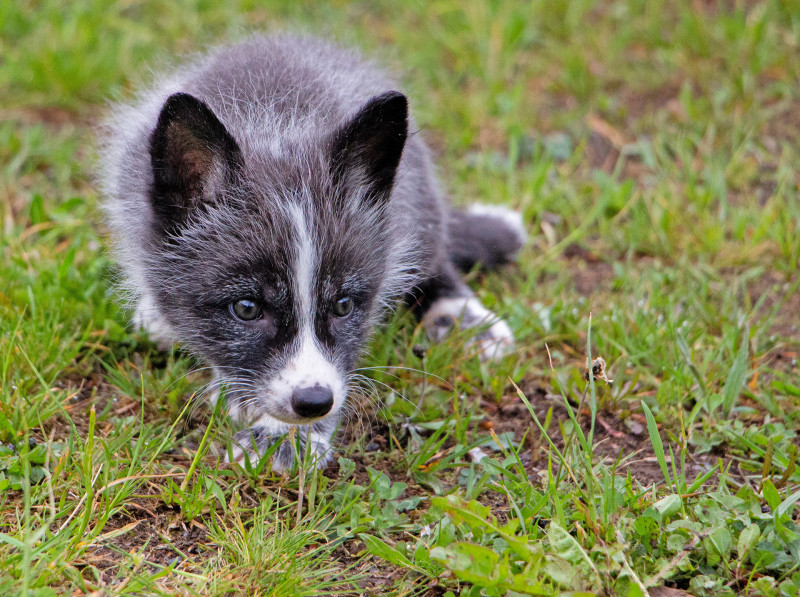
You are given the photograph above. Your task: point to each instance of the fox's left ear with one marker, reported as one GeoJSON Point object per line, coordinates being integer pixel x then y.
{"type": "Point", "coordinates": [193, 157]}
{"type": "Point", "coordinates": [367, 149]}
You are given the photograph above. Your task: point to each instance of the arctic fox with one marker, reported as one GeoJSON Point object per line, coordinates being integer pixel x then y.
{"type": "Point", "coordinates": [267, 201]}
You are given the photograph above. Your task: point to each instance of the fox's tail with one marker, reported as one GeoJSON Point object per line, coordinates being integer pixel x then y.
{"type": "Point", "coordinates": [485, 235]}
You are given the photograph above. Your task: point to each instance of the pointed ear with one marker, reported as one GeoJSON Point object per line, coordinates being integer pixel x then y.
{"type": "Point", "coordinates": [367, 150]}
{"type": "Point", "coordinates": [193, 158]}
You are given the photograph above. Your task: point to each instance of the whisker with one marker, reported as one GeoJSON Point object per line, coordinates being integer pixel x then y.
{"type": "Point", "coordinates": [425, 373]}
{"type": "Point", "coordinates": [371, 382]}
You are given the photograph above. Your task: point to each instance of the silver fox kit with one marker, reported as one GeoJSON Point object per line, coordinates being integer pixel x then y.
{"type": "Point", "coordinates": [267, 201]}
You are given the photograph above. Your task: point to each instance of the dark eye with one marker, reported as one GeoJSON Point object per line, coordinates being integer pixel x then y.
{"type": "Point", "coordinates": [246, 309]}
{"type": "Point", "coordinates": [343, 307]}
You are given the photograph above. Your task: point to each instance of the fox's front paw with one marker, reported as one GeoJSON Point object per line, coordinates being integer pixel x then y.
{"type": "Point", "coordinates": [494, 342]}
{"type": "Point", "coordinates": [253, 443]}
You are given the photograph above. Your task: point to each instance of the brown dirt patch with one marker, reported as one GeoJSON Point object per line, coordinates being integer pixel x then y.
{"type": "Point", "coordinates": [639, 103]}
{"type": "Point", "coordinates": [589, 273]}
{"type": "Point", "coordinates": [781, 296]}
{"type": "Point", "coordinates": [613, 438]}
{"type": "Point", "coordinates": [784, 125]}
{"type": "Point", "coordinates": [624, 437]}
{"type": "Point", "coordinates": [154, 530]}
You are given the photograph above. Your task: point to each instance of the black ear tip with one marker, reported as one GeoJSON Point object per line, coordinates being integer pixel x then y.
{"type": "Point", "coordinates": [393, 101]}
{"type": "Point", "coordinates": [178, 97]}
{"type": "Point", "coordinates": [394, 96]}
{"type": "Point", "coordinates": [178, 102]}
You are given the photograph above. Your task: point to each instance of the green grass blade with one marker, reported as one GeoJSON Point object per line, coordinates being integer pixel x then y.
{"type": "Point", "coordinates": [736, 376]}
{"type": "Point", "coordinates": [655, 440]}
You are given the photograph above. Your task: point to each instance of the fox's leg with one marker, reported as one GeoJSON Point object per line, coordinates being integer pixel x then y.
{"type": "Point", "coordinates": [444, 301]}
{"type": "Point", "coordinates": [256, 440]}
{"type": "Point", "coordinates": [482, 236]}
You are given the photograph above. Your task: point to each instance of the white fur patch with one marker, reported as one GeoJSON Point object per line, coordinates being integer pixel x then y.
{"type": "Point", "coordinates": [303, 266]}
{"type": "Point", "coordinates": [149, 319]}
{"type": "Point", "coordinates": [468, 312]}
{"type": "Point", "coordinates": [308, 367]}
{"type": "Point", "coordinates": [511, 218]}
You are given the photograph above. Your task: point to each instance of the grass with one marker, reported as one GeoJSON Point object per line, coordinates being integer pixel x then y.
{"type": "Point", "coordinates": [652, 147]}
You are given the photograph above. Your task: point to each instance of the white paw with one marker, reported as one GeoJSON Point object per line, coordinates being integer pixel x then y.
{"type": "Point", "coordinates": [493, 342]}
{"type": "Point", "coordinates": [252, 444]}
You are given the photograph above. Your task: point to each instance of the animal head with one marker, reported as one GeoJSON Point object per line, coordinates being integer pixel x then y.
{"type": "Point", "coordinates": [269, 265]}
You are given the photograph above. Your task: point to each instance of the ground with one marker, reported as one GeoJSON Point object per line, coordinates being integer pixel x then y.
{"type": "Point", "coordinates": [652, 148]}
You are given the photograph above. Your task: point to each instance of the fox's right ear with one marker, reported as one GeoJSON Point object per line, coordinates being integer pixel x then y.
{"type": "Point", "coordinates": [193, 158]}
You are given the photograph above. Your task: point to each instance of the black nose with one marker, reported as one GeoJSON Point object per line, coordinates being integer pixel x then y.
{"type": "Point", "coordinates": [315, 401]}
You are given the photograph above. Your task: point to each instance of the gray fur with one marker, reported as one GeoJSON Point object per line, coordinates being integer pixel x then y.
{"type": "Point", "coordinates": [281, 99]}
